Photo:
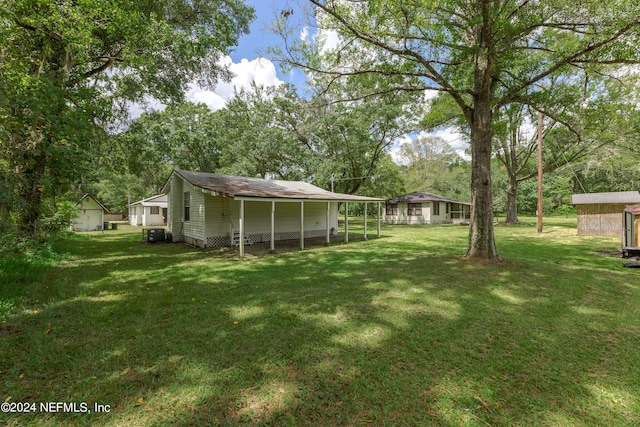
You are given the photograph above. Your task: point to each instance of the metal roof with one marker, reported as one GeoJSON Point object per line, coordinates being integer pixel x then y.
{"type": "Point", "coordinates": [618, 197]}
{"type": "Point", "coordinates": [157, 200]}
{"type": "Point", "coordinates": [423, 196]}
{"type": "Point", "coordinates": [243, 187]}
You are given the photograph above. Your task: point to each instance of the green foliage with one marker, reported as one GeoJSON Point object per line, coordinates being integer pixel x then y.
{"type": "Point", "coordinates": [483, 55]}
{"type": "Point", "coordinates": [432, 165]}
{"type": "Point", "coordinates": [68, 67]}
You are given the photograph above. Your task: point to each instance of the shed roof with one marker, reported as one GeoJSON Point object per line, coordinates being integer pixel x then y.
{"type": "Point", "coordinates": [423, 196]}
{"type": "Point", "coordinates": [618, 197]}
{"type": "Point", "coordinates": [89, 196]}
{"type": "Point", "coordinates": [244, 187]}
{"type": "Point", "coordinates": [157, 200]}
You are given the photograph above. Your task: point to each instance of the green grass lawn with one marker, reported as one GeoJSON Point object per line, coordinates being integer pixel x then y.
{"type": "Point", "coordinates": [399, 330]}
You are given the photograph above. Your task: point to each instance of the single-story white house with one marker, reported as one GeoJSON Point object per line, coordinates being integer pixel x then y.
{"type": "Point", "coordinates": [149, 211]}
{"type": "Point", "coordinates": [89, 214]}
{"type": "Point", "coordinates": [209, 210]}
{"type": "Point", "coordinates": [421, 207]}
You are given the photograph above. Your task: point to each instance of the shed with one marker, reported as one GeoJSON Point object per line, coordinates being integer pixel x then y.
{"type": "Point", "coordinates": [422, 207]}
{"type": "Point", "coordinates": [149, 212]}
{"type": "Point", "coordinates": [599, 213]}
{"type": "Point", "coordinates": [89, 214]}
{"type": "Point", "coordinates": [631, 234]}
{"type": "Point", "coordinates": [209, 210]}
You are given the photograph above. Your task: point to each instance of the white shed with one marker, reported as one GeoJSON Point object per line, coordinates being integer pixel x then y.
{"type": "Point", "coordinates": [421, 207]}
{"type": "Point", "coordinates": [209, 210]}
{"type": "Point", "coordinates": [89, 214]}
{"type": "Point", "coordinates": [148, 212]}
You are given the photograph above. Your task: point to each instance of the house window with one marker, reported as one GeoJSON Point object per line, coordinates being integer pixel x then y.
{"type": "Point", "coordinates": [155, 210]}
{"type": "Point", "coordinates": [436, 208]}
{"type": "Point", "coordinates": [187, 205]}
{"type": "Point", "coordinates": [392, 209]}
{"type": "Point", "coordinates": [414, 209]}
{"type": "Point", "coordinates": [447, 207]}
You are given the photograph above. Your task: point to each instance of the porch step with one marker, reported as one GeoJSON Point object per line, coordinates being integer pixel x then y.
{"type": "Point", "coordinates": [235, 241]}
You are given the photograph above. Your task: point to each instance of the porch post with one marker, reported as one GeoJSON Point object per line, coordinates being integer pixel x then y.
{"type": "Point", "coordinates": [301, 224]}
{"type": "Point", "coordinates": [272, 247]}
{"type": "Point", "coordinates": [328, 236]}
{"type": "Point", "coordinates": [378, 219]}
{"type": "Point", "coordinates": [346, 222]}
{"type": "Point", "coordinates": [241, 241]}
{"type": "Point", "coordinates": [365, 220]}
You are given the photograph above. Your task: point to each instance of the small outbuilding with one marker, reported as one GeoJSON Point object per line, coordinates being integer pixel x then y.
{"type": "Point", "coordinates": [149, 212]}
{"type": "Point", "coordinates": [599, 213]}
{"type": "Point", "coordinates": [209, 210]}
{"type": "Point", "coordinates": [89, 214]}
{"type": "Point", "coordinates": [631, 234]}
{"type": "Point", "coordinates": [422, 207]}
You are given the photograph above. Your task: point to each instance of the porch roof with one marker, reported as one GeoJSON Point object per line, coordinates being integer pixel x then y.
{"type": "Point", "coordinates": [240, 187]}
{"type": "Point", "coordinates": [157, 200]}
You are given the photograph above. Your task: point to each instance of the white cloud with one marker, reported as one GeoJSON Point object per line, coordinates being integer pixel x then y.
{"type": "Point", "coordinates": [259, 70]}
{"type": "Point", "coordinates": [328, 40]}
{"type": "Point", "coordinates": [304, 33]}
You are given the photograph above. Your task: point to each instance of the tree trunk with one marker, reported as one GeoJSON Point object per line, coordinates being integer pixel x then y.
{"type": "Point", "coordinates": [481, 238]}
{"type": "Point", "coordinates": [482, 243]}
{"type": "Point", "coordinates": [30, 188]}
{"type": "Point", "coordinates": [512, 203]}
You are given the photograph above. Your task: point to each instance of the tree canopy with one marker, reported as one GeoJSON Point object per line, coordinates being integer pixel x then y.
{"type": "Point", "coordinates": [68, 68]}
{"type": "Point", "coordinates": [482, 54]}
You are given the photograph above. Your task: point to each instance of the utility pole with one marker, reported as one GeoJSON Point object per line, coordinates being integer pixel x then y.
{"type": "Point", "coordinates": [539, 171]}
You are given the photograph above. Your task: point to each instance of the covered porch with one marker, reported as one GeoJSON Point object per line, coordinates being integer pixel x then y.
{"type": "Point", "coordinates": [330, 229]}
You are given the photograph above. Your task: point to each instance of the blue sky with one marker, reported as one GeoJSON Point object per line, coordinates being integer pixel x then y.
{"type": "Point", "coordinates": [249, 62]}
{"type": "Point", "coordinates": [248, 59]}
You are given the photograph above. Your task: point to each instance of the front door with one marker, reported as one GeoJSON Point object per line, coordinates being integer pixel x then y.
{"type": "Point", "coordinates": [629, 238]}
{"type": "Point", "coordinates": [164, 216]}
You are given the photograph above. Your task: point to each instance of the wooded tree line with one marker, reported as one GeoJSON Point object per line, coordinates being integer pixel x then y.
{"type": "Point", "coordinates": [71, 70]}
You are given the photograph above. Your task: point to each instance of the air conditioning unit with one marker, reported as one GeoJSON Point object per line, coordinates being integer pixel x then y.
{"type": "Point", "coordinates": [155, 235]}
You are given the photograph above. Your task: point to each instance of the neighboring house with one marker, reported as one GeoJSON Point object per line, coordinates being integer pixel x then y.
{"type": "Point", "coordinates": [89, 214]}
{"type": "Point", "coordinates": [421, 207]}
{"type": "Point", "coordinates": [210, 210]}
{"type": "Point", "coordinates": [149, 211]}
{"type": "Point", "coordinates": [599, 214]}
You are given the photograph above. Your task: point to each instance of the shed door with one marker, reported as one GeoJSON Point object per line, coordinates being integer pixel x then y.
{"type": "Point", "coordinates": [629, 238]}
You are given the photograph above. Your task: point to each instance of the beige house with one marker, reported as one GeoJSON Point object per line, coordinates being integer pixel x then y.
{"type": "Point", "coordinates": [209, 210]}
{"type": "Point", "coordinates": [421, 207]}
{"type": "Point", "coordinates": [148, 212]}
{"type": "Point", "coordinates": [599, 214]}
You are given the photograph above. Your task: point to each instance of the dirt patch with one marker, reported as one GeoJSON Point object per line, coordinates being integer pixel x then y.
{"type": "Point", "coordinates": [6, 329]}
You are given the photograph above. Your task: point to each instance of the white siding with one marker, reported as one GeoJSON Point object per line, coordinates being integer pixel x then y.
{"type": "Point", "coordinates": [174, 222]}
{"type": "Point", "coordinates": [218, 216]}
{"type": "Point", "coordinates": [193, 230]}
{"type": "Point", "coordinates": [149, 219]}
{"type": "Point", "coordinates": [89, 216]}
